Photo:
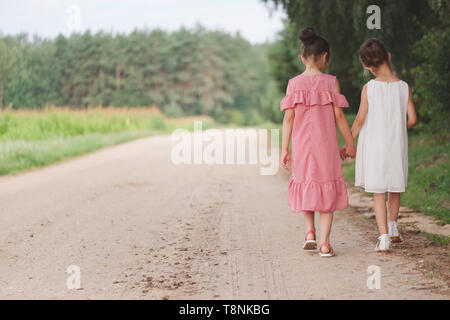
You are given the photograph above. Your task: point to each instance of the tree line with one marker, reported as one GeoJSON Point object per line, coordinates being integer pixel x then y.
{"type": "Point", "coordinates": [189, 71]}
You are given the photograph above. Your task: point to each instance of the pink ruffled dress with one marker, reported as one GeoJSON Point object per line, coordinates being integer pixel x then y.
{"type": "Point", "coordinates": [316, 183]}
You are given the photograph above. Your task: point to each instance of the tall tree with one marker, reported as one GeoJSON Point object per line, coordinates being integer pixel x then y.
{"type": "Point", "coordinates": [6, 67]}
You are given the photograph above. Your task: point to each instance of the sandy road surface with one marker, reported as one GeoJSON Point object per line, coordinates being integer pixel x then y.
{"type": "Point", "coordinates": [140, 227]}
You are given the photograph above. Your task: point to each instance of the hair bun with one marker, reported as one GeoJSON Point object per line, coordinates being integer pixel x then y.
{"type": "Point", "coordinates": [307, 35]}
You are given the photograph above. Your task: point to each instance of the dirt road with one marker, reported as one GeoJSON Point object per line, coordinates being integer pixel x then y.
{"type": "Point", "coordinates": [139, 227]}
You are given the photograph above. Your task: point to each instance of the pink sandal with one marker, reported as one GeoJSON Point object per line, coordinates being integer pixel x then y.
{"type": "Point", "coordinates": [309, 244]}
{"type": "Point", "coordinates": [326, 255]}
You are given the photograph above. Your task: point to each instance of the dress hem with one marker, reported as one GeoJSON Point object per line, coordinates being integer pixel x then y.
{"type": "Point", "coordinates": [326, 196]}
{"type": "Point", "coordinates": [383, 190]}
{"type": "Point", "coordinates": [318, 210]}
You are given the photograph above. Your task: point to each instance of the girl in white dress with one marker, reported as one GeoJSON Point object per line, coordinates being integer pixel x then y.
{"type": "Point", "coordinates": [385, 113]}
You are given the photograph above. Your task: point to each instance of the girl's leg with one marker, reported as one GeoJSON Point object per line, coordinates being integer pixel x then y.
{"type": "Point", "coordinates": [326, 219]}
{"type": "Point", "coordinates": [379, 203]}
{"type": "Point", "coordinates": [393, 205]}
{"type": "Point", "coordinates": [309, 222]}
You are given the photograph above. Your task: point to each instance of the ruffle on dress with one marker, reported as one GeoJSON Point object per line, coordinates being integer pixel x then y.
{"type": "Point", "coordinates": [317, 196]}
{"type": "Point", "coordinates": [313, 98]}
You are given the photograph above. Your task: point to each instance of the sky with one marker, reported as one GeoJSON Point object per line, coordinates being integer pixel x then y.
{"type": "Point", "coordinates": [48, 18]}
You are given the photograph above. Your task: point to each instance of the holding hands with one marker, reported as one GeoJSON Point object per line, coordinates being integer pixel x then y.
{"type": "Point", "coordinates": [348, 151]}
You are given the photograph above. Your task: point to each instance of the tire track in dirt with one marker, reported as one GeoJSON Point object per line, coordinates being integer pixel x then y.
{"type": "Point", "coordinates": [142, 228]}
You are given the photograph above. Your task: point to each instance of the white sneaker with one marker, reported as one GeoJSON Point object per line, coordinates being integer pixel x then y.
{"type": "Point", "coordinates": [393, 232]}
{"type": "Point", "coordinates": [383, 243]}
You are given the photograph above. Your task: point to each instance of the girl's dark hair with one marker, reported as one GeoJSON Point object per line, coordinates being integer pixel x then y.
{"type": "Point", "coordinates": [313, 44]}
{"type": "Point", "coordinates": [373, 53]}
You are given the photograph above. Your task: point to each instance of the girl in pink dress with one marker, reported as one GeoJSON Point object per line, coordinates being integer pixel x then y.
{"type": "Point", "coordinates": [313, 107]}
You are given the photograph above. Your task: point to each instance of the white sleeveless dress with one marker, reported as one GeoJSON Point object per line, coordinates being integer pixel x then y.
{"type": "Point", "coordinates": [382, 153]}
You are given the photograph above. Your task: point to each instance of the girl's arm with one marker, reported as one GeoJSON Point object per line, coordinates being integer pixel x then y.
{"type": "Point", "coordinates": [288, 122]}
{"type": "Point", "coordinates": [343, 126]}
{"type": "Point", "coordinates": [411, 111]}
{"type": "Point", "coordinates": [362, 113]}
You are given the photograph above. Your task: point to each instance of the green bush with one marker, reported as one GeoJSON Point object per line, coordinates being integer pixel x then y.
{"type": "Point", "coordinates": [237, 117]}
{"type": "Point", "coordinates": [157, 122]}
{"type": "Point", "coordinates": [174, 111]}
{"type": "Point", "coordinates": [431, 90]}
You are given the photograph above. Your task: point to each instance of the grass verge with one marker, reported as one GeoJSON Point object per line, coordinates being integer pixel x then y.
{"type": "Point", "coordinates": [36, 138]}
{"type": "Point", "coordinates": [19, 155]}
{"type": "Point", "coordinates": [437, 239]}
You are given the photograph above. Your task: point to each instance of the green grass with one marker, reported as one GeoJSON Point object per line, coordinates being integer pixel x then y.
{"type": "Point", "coordinates": [428, 181]}
{"type": "Point", "coordinates": [41, 125]}
{"type": "Point", "coordinates": [437, 239]}
{"type": "Point", "coordinates": [32, 139]}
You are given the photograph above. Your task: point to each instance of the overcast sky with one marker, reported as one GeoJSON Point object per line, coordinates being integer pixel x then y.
{"type": "Point", "coordinates": [48, 18]}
